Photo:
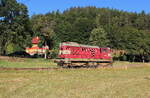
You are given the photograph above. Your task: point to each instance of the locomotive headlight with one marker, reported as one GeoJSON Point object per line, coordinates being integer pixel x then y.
{"type": "Point", "coordinates": [60, 52]}
{"type": "Point", "coordinates": [109, 54]}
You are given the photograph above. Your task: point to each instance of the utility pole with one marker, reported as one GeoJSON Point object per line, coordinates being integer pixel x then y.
{"type": "Point", "coordinates": [45, 55]}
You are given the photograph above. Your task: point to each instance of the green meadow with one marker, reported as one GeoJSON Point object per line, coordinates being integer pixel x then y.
{"type": "Point", "coordinates": [116, 82]}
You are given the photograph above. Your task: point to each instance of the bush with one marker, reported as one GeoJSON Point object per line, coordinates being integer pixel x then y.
{"type": "Point", "coordinates": [10, 48]}
{"type": "Point", "coordinates": [13, 48]}
{"type": "Point", "coordinates": [123, 58]}
{"type": "Point", "coordinates": [54, 53]}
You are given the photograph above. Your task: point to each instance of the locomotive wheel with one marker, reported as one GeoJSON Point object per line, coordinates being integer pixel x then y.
{"type": "Point", "coordinates": [92, 64]}
{"type": "Point", "coordinates": [60, 64]}
{"type": "Point", "coordinates": [65, 65]}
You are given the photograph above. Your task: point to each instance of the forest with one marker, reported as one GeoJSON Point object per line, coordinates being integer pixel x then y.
{"type": "Point", "coordinates": [104, 27]}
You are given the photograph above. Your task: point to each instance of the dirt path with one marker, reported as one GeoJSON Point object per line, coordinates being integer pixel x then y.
{"type": "Point", "coordinates": [12, 59]}
{"type": "Point", "coordinates": [28, 69]}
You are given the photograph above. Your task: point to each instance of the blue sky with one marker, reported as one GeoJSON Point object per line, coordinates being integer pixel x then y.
{"type": "Point", "coordinates": [44, 6]}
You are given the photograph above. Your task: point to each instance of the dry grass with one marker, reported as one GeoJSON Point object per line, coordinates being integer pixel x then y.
{"type": "Point", "coordinates": [117, 82]}
{"type": "Point", "coordinates": [76, 83]}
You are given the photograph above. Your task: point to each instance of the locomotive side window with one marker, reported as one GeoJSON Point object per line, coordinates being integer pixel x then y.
{"type": "Point", "coordinates": [67, 47]}
{"type": "Point", "coordinates": [104, 50]}
{"type": "Point", "coordinates": [83, 49]}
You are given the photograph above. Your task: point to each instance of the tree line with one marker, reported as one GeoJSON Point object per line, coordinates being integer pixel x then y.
{"type": "Point", "coordinates": [104, 27]}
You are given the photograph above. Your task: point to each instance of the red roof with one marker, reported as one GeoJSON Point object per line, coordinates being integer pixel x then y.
{"type": "Point", "coordinates": [35, 40]}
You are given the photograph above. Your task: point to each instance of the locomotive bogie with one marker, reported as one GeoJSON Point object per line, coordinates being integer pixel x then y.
{"type": "Point", "coordinates": [83, 63]}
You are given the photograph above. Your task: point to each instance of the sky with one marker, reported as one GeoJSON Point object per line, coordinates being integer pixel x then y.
{"type": "Point", "coordinates": [45, 6]}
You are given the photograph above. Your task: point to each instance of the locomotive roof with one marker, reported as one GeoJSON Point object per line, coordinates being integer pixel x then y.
{"type": "Point", "coordinates": [80, 45]}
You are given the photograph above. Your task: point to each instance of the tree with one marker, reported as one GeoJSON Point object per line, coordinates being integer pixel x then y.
{"type": "Point", "coordinates": [43, 26]}
{"type": "Point", "coordinates": [99, 37]}
{"type": "Point", "coordinates": [134, 41]}
{"type": "Point", "coordinates": [14, 24]}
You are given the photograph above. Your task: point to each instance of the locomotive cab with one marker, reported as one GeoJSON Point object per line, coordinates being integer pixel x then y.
{"type": "Point", "coordinates": [105, 53]}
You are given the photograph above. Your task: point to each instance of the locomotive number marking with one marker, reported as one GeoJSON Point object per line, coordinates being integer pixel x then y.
{"type": "Point", "coordinates": [65, 52]}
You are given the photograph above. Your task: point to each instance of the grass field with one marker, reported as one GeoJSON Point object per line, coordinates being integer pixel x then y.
{"type": "Point", "coordinates": [76, 83]}
{"type": "Point", "coordinates": [10, 62]}
{"type": "Point", "coordinates": [73, 83]}
{"type": "Point", "coordinates": [26, 63]}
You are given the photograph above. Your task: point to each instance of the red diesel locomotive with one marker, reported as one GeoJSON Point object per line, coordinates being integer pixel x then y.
{"type": "Point", "coordinates": [74, 54]}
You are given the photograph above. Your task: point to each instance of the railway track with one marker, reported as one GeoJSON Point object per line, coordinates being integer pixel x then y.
{"type": "Point", "coordinates": [57, 68]}
{"type": "Point", "coordinates": [28, 69]}
{"type": "Point", "coordinates": [61, 68]}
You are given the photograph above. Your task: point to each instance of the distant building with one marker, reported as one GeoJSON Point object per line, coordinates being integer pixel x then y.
{"type": "Point", "coordinates": [35, 48]}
